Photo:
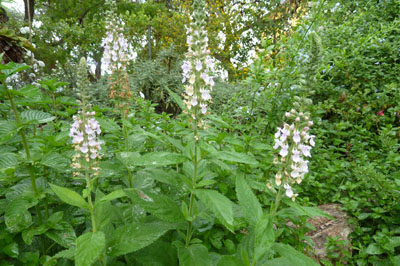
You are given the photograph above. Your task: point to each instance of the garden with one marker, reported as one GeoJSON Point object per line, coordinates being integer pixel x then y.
{"type": "Point", "coordinates": [200, 132]}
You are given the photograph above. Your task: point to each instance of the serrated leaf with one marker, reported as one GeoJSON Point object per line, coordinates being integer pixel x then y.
{"type": "Point", "coordinates": [8, 130]}
{"type": "Point", "coordinates": [67, 253]}
{"type": "Point", "coordinates": [54, 160]}
{"type": "Point", "coordinates": [8, 160]}
{"type": "Point", "coordinates": [264, 236]}
{"type": "Point", "coordinates": [70, 196]}
{"type": "Point", "coordinates": [135, 236]}
{"type": "Point", "coordinates": [114, 195]}
{"type": "Point", "coordinates": [17, 217]}
{"type": "Point", "coordinates": [176, 98]}
{"type": "Point", "coordinates": [161, 206]}
{"type": "Point", "coordinates": [220, 205]}
{"type": "Point", "coordinates": [194, 255]}
{"type": "Point", "coordinates": [158, 159]}
{"type": "Point", "coordinates": [108, 126]}
{"type": "Point", "coordinates": [160, 253]}
{"type": "Point", "coordinates": [27, 235]}
{"type": "Point", "coordinates": [229, 260]}
{"type": "Point", "coordinates": [166, 177]}
{"type": "Point", "coordinates": [236, 157]}
{"type": "Point", "coordinates": [248, 202]}
{"type": "Point", "coordinates": [126, 158]}
{"type": "Point", "coordinates": [293, 256]}
{"type": "Point", "coordinates": [35, 116]}
{"type": "Point", "coordinates": [63, 234]}
{"type": "Point", "coordinates": [89, 246]}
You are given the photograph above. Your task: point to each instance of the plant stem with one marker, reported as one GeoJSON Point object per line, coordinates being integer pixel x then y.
{"type": "Point", "coordinates": [91, 207]}
{"type": "Point", "coordinates": [278, 197]}
{"type": "Point", "coordinates": [28, 157]}
{"type": "Point", "coordinates": [125, 132]}
{"type": "Point", "coordinates": [194, 177]}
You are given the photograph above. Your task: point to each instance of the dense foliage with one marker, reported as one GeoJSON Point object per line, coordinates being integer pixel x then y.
{"type": "Point", "coordinates": [189, 153]}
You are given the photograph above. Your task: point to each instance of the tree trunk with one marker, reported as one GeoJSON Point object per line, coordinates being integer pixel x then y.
{"type": "Point", "coordinates": [98, 64]}
{"type": "Point", "coordinates": [29, 10]}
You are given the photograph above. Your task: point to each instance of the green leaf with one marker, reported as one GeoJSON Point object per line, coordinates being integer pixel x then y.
{"type": "Point", "coordinates": [166, 177]}
{"type": "Point", "coordinates": [229, 260]}
{"type": "Point", "coordinates": [235, 157]}
{"type": "Point", "coordinates": [67, 253]}
{"type": "Point", "coordinates": [17, 217]}
{"type": "Point", "coordinates": [8, 160]}
{"type": "Point", "coordinates": [114, 195]}
{"type": "Point", "coordinates": [27, 235]}
{"type": "Point", "coordinates": [161, 206]}
{"type": "Point", "coordinates": [160, 253]}
{"type": "Point", "coordinates": [135, 236]}
{"type": "Point", "coordinates": [176, 98]}
{"type": "Point", "coordinates": [127, 158]}
{"type": "Point", "coordinates": [89, 247]}
{"type": "Point", "coordinates": [35, 116]}
{"type": "Point", "coordinates": [54, 160]}
{"type": "Point", "coordinates": [194, 255]}
{"type": "Point", "coordinates": [11, 250]}
{"type": "Point", "coordinates": [63, 234]}
{"type": "Point", "coordinates": [248, 202]}
{"type": "Point", "coordinates": [70, 197]}
{"type": "Point", "coordinates": [309, 211]}
{"type": "Point", "coordinates": [8, 130]}
{"type": "Point", "coordinates": [158, 159]}
{"type": "Point", "coordinates": [108, 126]}
{"type": "Point", "coordinates": [264, 236]}
{"type": "Point", "coordinates": [278, 262]}
{"type": "Point", "coordinates": [374, 249]}
{"type": "Point", "coordinates": [12, 67]}
{"type": "Point", "coordinates": [293, 256]}
{"type": "Point", "coordinates": [220, 205]}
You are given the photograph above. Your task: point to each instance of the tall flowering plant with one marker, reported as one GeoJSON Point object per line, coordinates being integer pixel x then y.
{"type": "Point", "coordinates": [198, 67]}
{"type": "Point", "coordinates": [293, 144]}
{"type": "Point", "coordinates": [198, 79]}
{"type": "Point", "coordinates": [116, 50]}
{"type": "Point", "coordinates": [85, 132]}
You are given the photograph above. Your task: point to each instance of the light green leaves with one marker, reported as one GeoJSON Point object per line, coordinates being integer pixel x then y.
{"type": "Point", "coordinates": [248, 202]}
{"type": "Point", "coordinates": [113, 195]}
{"type": "Point", "coordinates": [161, 206]}
{"type": "Point", "coordinates": [70, 196]}
{"type": "Point", "coordinates": [220, 205]}
{"type": "Point", "coordinates": [131, 159]}
{"type": "Point", "coordinates": [264, 236]}
{"type": "Point", "coordinates": [35, 116]}
{"type": "Point", "coordinates": [135, 236]}
{"type": "Point", "coordinates": [17, 217]}
{"type": "Point", "coordinates": [293, 256]}
{"type": "Point", "coordinates": [195, 255]}
{"type": "Point", "coordinates": [89, 247]}
{"type": "Point", "coordinates": [8, 160]}
{"type": "Point", "coordinates": [54, 160]}
{"type": "Point", "coordinates": [236, 157]}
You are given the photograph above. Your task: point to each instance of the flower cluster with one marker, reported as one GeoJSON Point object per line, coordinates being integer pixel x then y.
{"type": "Point", "coordinates": [199, 66]}
{"type": "Point", "coordinates": [85, 131]}
{"type": "Point", "coordinates": [116, 50]}
{"type": "Point", "coordinates": [115, 45]}
{"type": "Point", "coordinates": [294, 143]}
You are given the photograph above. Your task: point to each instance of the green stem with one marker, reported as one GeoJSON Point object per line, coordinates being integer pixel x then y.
{"type": "Point", "coordinates": [91, 207]}
{"type": "Point", "coordinates": [194, 177]}
{"type": "Point", "coordinates": [125, 132]}
{"type": "Point", "coordinates": [28, 156]}
{"type": "Point", "coordinates": [274, 207]}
